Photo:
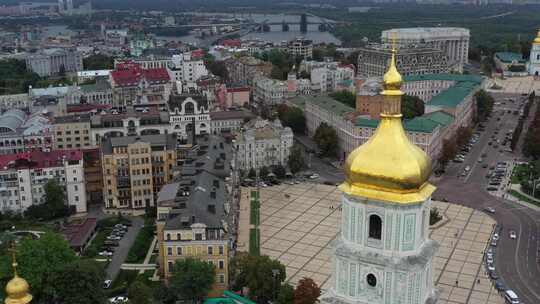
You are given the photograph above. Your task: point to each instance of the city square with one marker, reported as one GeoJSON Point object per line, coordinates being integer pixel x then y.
{"type": "Point", "coordinates": [299, 223]}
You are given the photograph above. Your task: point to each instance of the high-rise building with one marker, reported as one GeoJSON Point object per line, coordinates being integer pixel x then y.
{"type": "Point", "coordinates": [384, 254]}
{"type": "Point", "coordinates": [534, 63]}
{"type": "Point", "coordinates": [373, 61]}
{"type": "Point", "coordinates": [451, 40]}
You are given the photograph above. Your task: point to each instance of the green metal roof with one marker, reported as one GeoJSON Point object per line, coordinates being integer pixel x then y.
{"type": "Point", "coordinates": [451, 77]}
{"type": "Point", "coordinates": [509, 57]}
{"type": "Point", "coordinates": [454, 95]}
{"type": "Point", "coordinates": [218, 301]}
{"type": "Point", "coordinates": [417, 124]}
{"type": "Point", "coordinates": [330, 104]}
{"type": "Point", "coordinates": [440, 117]}
{"type": "Point", "coordinates": [229, 298]}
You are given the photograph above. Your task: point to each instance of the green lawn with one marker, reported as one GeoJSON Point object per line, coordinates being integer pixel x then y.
{"type": "Point", "coordinates": [254, 238]}
{"type": "Point", "coordinates": [254, 213]}
{"type": "Point", "coordinates": [523, 198]}
{"type": "Point", "coordinates": [520, 173]}
{"type": "Point", "coordinates": [142, 243]}
{"type": "Point", "coordinates": [126, 277]}
{"type": "Point", "coordinates": [22, 224]}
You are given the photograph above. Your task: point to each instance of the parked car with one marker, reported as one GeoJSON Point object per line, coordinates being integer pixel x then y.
{"type": "Point", "coordinates": [493, 275]}
{"type": "Point", "coordinates": [491, 267]}
{"type": "Point", "coordinates": [489, 260]}
{"type": "Point", "coordinates": [111, 243]}
{"type": "Point", "coordinates": [499, 285]}
{"type": "Point", "coordinates": [105, 254]}
{"type": "Point", "coordinates": [495, 236]}
{"type": "Point", "coordinates": [513, 234]}
{"type": "Point", "coordinates": [114, 238]}
{"type": "Point", "coordinates": [107, 284]}
{"type": "Point", "coordinates": [118, 300]}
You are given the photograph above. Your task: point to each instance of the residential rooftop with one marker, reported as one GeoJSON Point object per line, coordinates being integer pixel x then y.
{"type": "Point", "coordinates": [158, 141]}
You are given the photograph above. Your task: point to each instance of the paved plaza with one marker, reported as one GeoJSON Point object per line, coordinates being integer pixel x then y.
{"type": "Point", "coordinates": [517, 85]}
{"type": "Point", "coordinates": [298, 223]}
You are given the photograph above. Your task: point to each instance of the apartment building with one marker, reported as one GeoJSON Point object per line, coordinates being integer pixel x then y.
{"type": "Point", "coordinates": [243, 70]}
{"type": "Point", "coordinates": [269, 92]}
{"type": "Point", "coordinates": [228, 121]}
{"type": "Point", "coordinates": [262, 143]}
{"type": "Point", "coordinates": [186, 69]}
{"type": "Point", "coordinates": [20, 132]}
{"type": "Point", "coordinates": [300, 48]}
{"type": "Point", "coordinates": [188, 115]}
{"type": "Point", "coordinates": [330, 79]}
{"type": "Point", "coordinates": [72, 132]}
{"type": "Point", "coordinates": [24, 175]}
{"type": "Point", "coordinates": [134, 170]}
{"type": "Point", "coordinates": [194, 213]}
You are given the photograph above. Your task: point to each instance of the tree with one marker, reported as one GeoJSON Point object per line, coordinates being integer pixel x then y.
{"type": "Point", "coordinates": [252, 173]}
{"type": "Point", "coordinates": [345, 97]}
{"type": "Point", "coordinates": [286, 294]}
{"type": "Point", "coordinates": [54, 206]}
{"type": "Point", "coordinates": [263, 172]}
{"type": "Point", "coordinates": [139, 293]}
{"type": "Point", "coordinates": [292, 117]}
{"type": "Point", "coordinates": [192, 279]}
{"type": "Point", "coordinates": [98, 62]}
{"type": "Point", "coordinates": [484, 105]}
{"type": "Point", "coordinates": [449, 150]}
{"type": "Point", "coordinates": [306, 292]}
{"type": "Point", "coordinates": [411, 106]}
{"type": "Point", "coordinates": [279, 171]}
{"type": "Point", "coordinates": [40, 260]}
{"type": "Point", "coordinates": [463, 134]}
{"type": "Point", "coordinates": [164, 295]}
{"type": "Point", "coordinates": [79, 282]}
{"type": "Point", "coordinates": [256, 273]}
{"type": "Point", "coordinates": [296, 159]}
{"type": "Point", "coordinates": [326, 139]}
{"type": "Point", "coordinates": [278, 73]}
{"type": "Point", "coordinates": [218, 68]}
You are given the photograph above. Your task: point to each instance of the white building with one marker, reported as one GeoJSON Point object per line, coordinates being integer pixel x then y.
{"type": "Point", "coordinates": [328, 79]}
{"type": "Point", "coordinates": [269, 92]}
{"type": "Point", "coordinates": [534, 63]}
{"type": "Point", "coordinates": [24, 175]}
{"type": "Point", "coordinates": [186, 112]}
{"type": "Point", "coordinates": [300, 48]}
{"type": "Point", "coordinates": [54, 61]}
{"type": "Point", "coordinates": [263, 143]}
{"type": "Point", "coordinates": [452, 40]}
{"type": "Point", "coordinates": [186, 69]}
{"type": "Point", "coordinates": [228, 121]}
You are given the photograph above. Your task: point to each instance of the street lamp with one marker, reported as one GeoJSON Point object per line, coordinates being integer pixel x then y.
{"type": "Point", "coordinates": [275, 273]}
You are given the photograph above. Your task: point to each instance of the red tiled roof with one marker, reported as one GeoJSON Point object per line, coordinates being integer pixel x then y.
{"type": "Point", "coordinates": [130, 74]}
{"type": "Point", "coordinates": [38, 159]}
{"type": "Point", "coordinates": [78, 234]}
{"type": "Point", "coordinates": [239, 89]}
{"type": "Point", "coordinates": [76, 108]}
{"type": "Point", "coordinates": [196, 54]}
{"type": "Point", "coordinates": [232, 42]}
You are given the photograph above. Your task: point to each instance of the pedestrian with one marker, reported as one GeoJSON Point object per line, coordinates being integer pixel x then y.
{"type": "Point", "coordinates": [478, 281]}
{"type": "Point", "coordinates": [457, 282]}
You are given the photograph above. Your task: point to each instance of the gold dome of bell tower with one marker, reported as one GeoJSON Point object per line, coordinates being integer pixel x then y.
{"type": "Point", "coordinates": [388, 167]}
{"type": "Point", "coordinates": [17, 289]}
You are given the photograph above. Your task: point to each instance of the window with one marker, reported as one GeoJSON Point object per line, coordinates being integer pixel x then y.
{"type": "Point", "coordinates": [169, 250]}
{"type": "Point", "coordinates": [221, 264]}
{"type": "Point", "coordinates": [375, 227]}
{"type": "Point", "coordinates": [168, 236]}
{"type": "Point", "coordinates": [221, 250]}
{"type": "Point", "coordinates": [210, 250]}
{"type": "Point", "coordinates": [170, 266]}
{"type": "Point", "coordinates": [371, 280]}
{"type": "Point", "coordinates": [198, 236]}
{"type": "Point", "coordinates": [221, 278]}
{"type": "Point", "coordinates": [178, 250]}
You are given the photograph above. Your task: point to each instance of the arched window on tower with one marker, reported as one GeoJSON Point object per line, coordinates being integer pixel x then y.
{"type": "Point", "coordinates": [375, 227]}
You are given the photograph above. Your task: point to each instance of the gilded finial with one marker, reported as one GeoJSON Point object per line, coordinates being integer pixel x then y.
{"type": "Point", "coordinates": [17, 289]}
{"type": "Point", "coordinates": [392, 79]}
{"type": "Point", "coordinates": [537, 39]}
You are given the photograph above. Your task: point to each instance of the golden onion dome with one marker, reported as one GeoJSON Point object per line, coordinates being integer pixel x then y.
{"type": "Point", "coordinates": [388, 166]}
{"type": "Point", "coordinates": [537, 39]}
{"type": "Point", "coordinates": [17, 291]}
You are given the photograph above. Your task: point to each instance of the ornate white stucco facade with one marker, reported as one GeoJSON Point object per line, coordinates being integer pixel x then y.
{"type": "Point", "coordinates": [383, 255]}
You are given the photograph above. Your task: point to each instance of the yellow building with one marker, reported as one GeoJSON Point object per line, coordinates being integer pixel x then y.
{"type": "Point", "coordinates": [134, 170]}
{"type": "Point", "coordinates": [72, 132]}
{"type": "Point", "coordinates": [193, 214]}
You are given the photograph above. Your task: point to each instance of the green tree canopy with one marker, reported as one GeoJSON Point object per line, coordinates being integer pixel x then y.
{"type": "Point", "coordinates": [296, 160]}
{"type": "Point", "coordinates": [139, 293]}
{"type": "Point", "coordinates": [79, 282]}
{"type": "Point", "coordinates": [255, 272]}
{"type": "Point", "coordinates": [345, 97]}
{"type": "Point", "coordinates": [286, 294]}
{"type": "Point", "coordinates": [292, 117]}
{"type": "Point", "coordinates": [326, 139]}
{"type": "Point", "coordinates": [55, 204]}
{"type": "Point", "coordinates": [98, 62]}
{"type": "Point", "coordinates": [484, 104]}
{"type": "Point", "coordinates": [411, 106]}
{"type": "Point", "coordinates": [15, 78]}
{"type": "Point", "coordinates": [192, 278]}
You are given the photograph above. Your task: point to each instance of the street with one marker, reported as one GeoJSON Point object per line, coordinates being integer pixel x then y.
{"type": "Point", "coordinates": [516, 261]}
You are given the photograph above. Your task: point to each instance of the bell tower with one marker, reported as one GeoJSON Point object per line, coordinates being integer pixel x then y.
{"type": "Point", "coordinates": [384, 254]}
{"type": "Point", "coordinates": [534, 61]}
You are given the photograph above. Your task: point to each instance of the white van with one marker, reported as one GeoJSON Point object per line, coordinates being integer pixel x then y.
{"type": "Point", "coordinates": [511, 297]}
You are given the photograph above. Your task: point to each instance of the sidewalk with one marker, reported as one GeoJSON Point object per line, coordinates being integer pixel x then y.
{"type": "Point", "coordinates": [517, 188]}
{"type": "Point", "coordinates": [243, 221]}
